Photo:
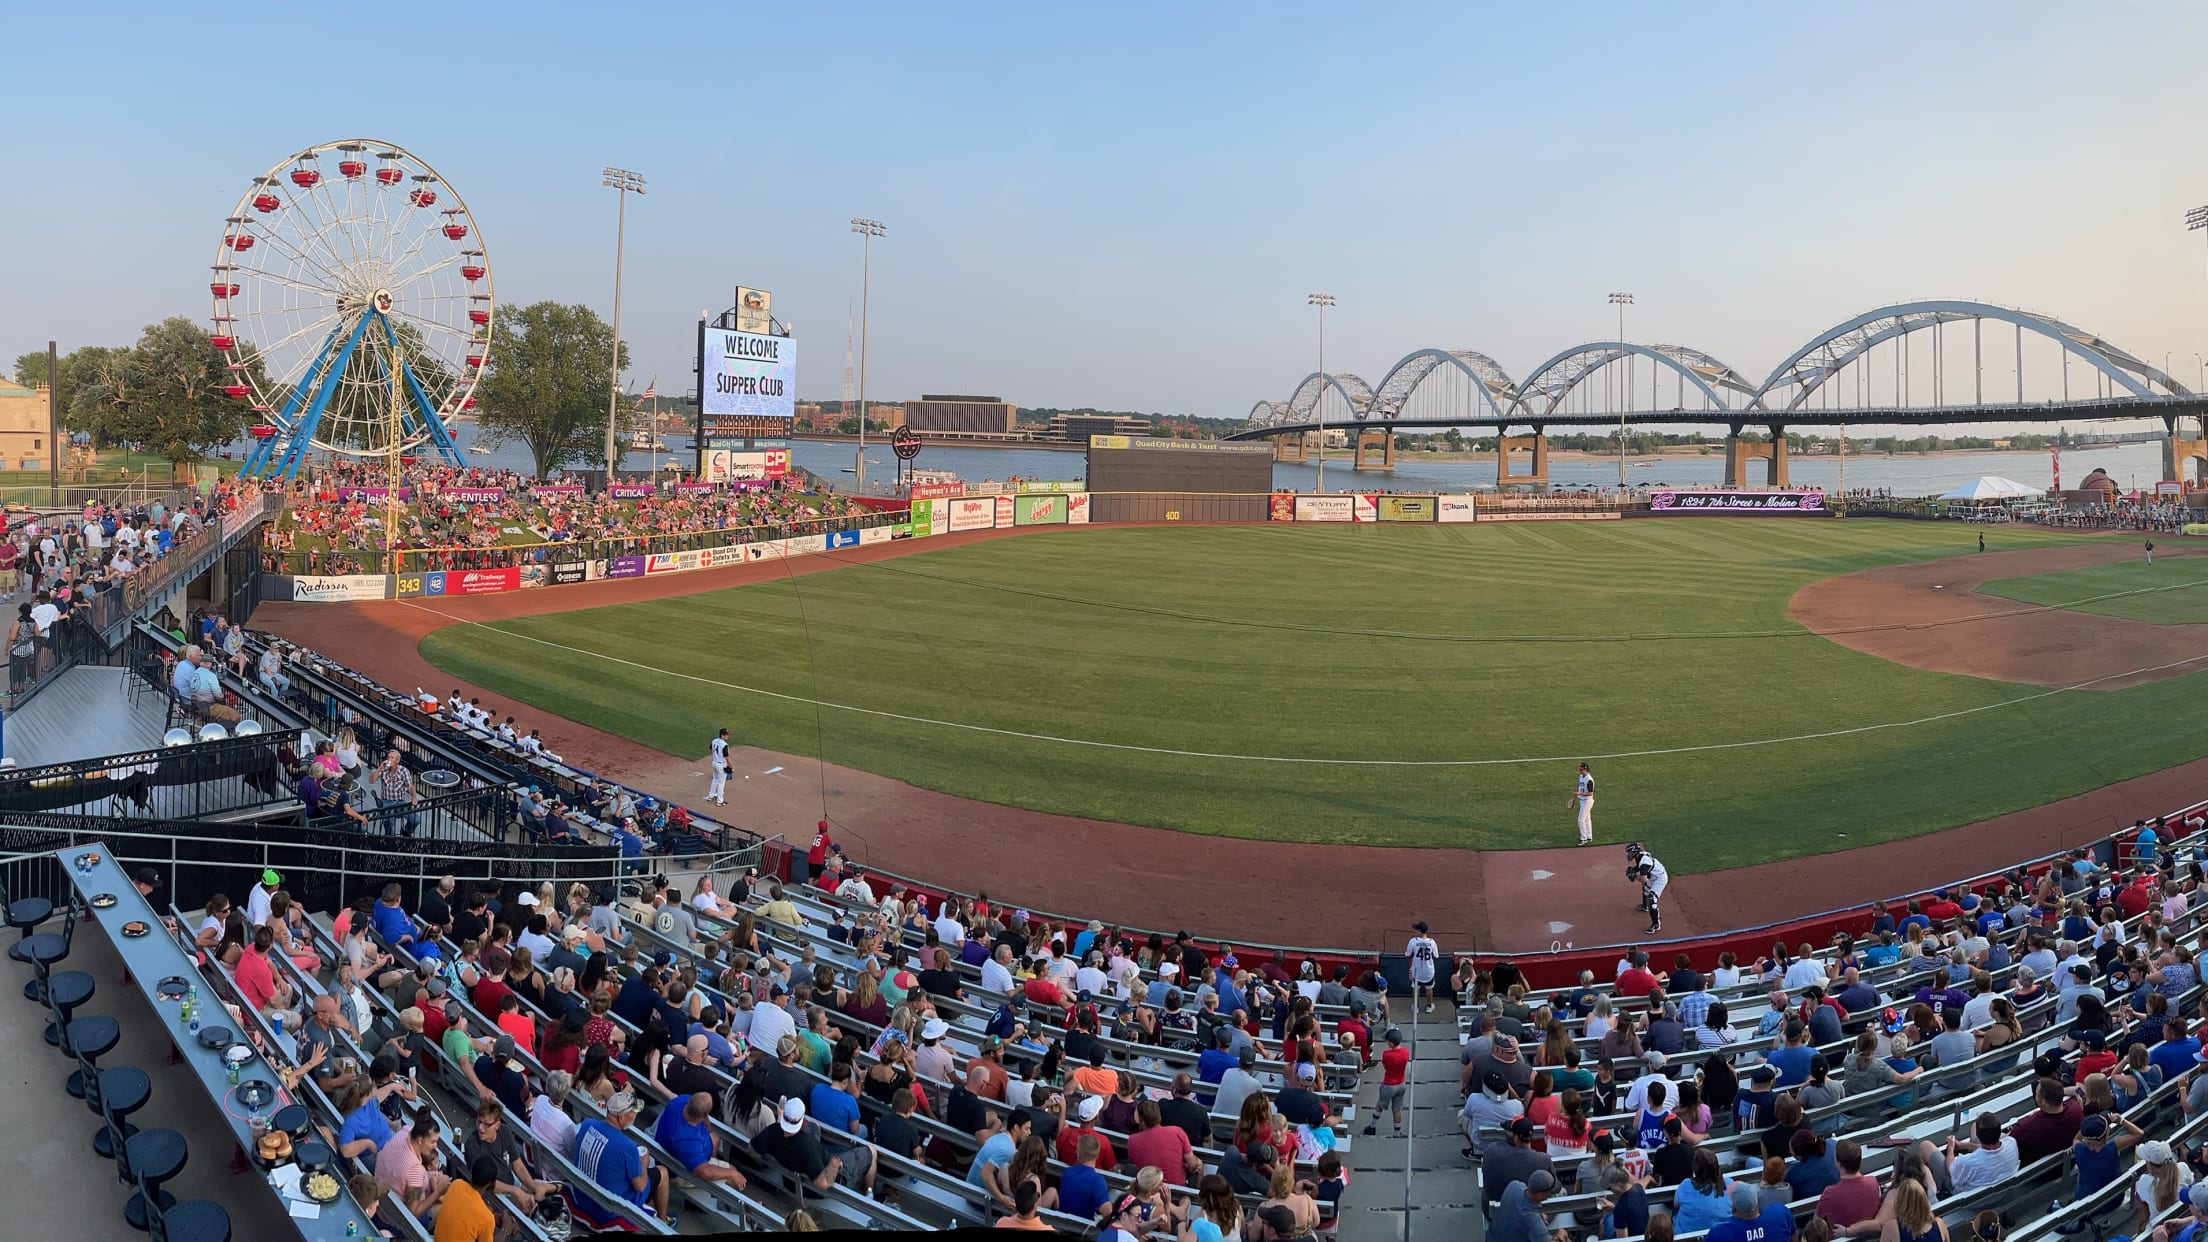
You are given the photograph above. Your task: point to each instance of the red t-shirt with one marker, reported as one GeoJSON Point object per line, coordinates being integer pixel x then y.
{"type": "Point", "coordinates": [1395, 1064]}
{"type": "Point", "coordinates": [486, 994]}
{"type": "Point", "coordinates": [1636, 982]}
{"type": "Point", "coordinates": [1041, 991]}
{"type": "Point", "coordinates": [1161, 1147]}
{"type": "Point", "coordinates": [2095, 1063]}
{"type": "Point", "coordinates": [1069, 1146]}
{"type": "Point", "coordinates": [256, 979]}
{"type": "Point", "coordinates": [1941, 911]}
{"type": "Point", "coordinates": [819, 853]}
{"type": "Point", "coordinates": [2132, 900]}
{"type": "Point", "coordinates": [1849, 1201]}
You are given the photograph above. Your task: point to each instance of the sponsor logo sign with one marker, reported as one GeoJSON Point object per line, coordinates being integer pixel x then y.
{"type": "Point", "coordinates": [1282, 508]}
{"type": "Point", "coordinates": [557, 489]}
{"type": "Point", "coordinates": [472, 495]}
{"type": "Point", "coordinates": [935, 491]}
{"type": "Point", "coordinates": [670, 562]}
{"type": "Point", "coordinates": [693, 487]}
{"type": "Point", "coordinates": [479, 581]}
{"type": "Point", "coordinates": [569, 573]}
{"type": "Point", "coordinates": [1324, 509]}
{"type": "Point", "coordinates": [1460, 508]}
{"type": "Point", "coordinates": [843, 539]}
{"type": "Point", "coordinates": [625, 567]}
{"type": "Point", "coordinates": [1407, 508]}
{"type": "Point", "coordinates": [629, 491]}
{"type": "Point", "coordinates": [878, 534]}
{"type": "Point", "coordinates": [1736, 504]}
{"type": "Point", "coordinates": [1077, 509]}
{"type": "Point", "coordinates": [339, 588]}
{"type": "Point", "coordinates": [535, 576]}
{"type": "Point", "coordinates": [1042, 510]}
{"type": "Point", "coordinates": [972, 512]}
{"type": "Point", "coordinates": [1365, 507]}
{"type": "Point", "coordinates": [371, 493]}
{"type": "Point", "coordinates": [921, 520]}
{"type": "Point", "coordinates": [1005, 506]}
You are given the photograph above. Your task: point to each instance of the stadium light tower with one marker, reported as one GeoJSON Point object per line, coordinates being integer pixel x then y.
{"type": "Point", "coordinates": [624, 183]}
{"type": "Point", "coordinates": [867, 230]}
{"type": "Point", "coordinates": [1318, 407]}
{"type": "Point", "coordinates": [1621, 301]}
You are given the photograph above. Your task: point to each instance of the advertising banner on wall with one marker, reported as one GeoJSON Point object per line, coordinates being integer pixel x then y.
{"type": "Point", "coordinates": [473, 495]}
{"type": "Point", "coordinates": [1323, 509]}
{"type": "Point", "coordinates": [1045, 510]}
{"type": "Point", "coordinates": [973, 512]}
{"type": "Point", "coordinates": [629, 491]}
{"type": "Point", "coordinates": [1282, 508]}
{"type": "Point", "coordinates": [535, 576]}
{"type": "Point", "coordinates": [842, 539]}
{"type": "Point", "coordinates": [1077, 509]}
{"type": "Point", "coordinates": [746, 374]}
{"type": "Point", "coordinates": [569, 573]}
{"type": "Point", "coordinates": [1737, 504]}
{"type": "Point", "coordinates": [407, 586]}
{"type": "Point", "coordinates": [557, 490]}
{"type": "Point", "coordinates": [921, 521]}
{"type": "Point", "coordinates": [625, 567]}
{"type": "Point", "coordinates": [372, 493]}
{"type": "Point", "coordinates": [670, 562]}
{"type": "Point", "coordinates": [1047, 485]}
{"type": "Point", "coordinates": [1458, 508]}
{"type": "Point", "coordinates": [693, 488]}
{"type": "Point", "coordinates": [939, 518]}
{"type": "Point", "coordinates": [876, 534]}
{"type": "Point", "coordinates": [1407, 508]}
{"type": "Point", "coordinates": [766, 550]}
{"type": "Point", "coordinates": [1365, 507]}
{"type": "Point", "coordinates": [339, 588]}
{"type": "Point", "coordinates": [937, 491]}
{"type": "Point", "coordinates": [471, 581]}
{"type": "Point", "coordinates": [1005, 505]}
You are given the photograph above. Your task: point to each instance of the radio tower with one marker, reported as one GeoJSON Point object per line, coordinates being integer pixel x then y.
{"type": "Point", "coordinates": [850, 386]}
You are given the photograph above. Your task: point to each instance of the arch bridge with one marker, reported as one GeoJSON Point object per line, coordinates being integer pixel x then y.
{"type": "Point", "coordinates": [1924, 363]}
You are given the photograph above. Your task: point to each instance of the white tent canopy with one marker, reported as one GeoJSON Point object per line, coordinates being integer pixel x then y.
{"type": "Point", "coordinates": [1992, 487]}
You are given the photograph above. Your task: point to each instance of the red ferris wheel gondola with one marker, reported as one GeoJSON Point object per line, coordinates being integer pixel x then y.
{"type": "Point", "coordinates": [305, 178]}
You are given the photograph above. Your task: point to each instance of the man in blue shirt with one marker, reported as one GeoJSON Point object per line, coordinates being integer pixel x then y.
{"type": "Point", "coordinates": [1792, 1060]}
{"type": "Point", "coordinates": [1518, 1218]}
{"type": "Point", "coordinates": [994, 1160]}
{"type": "Point", "coordinates": [2175, 1054]}
{"type": "Point", "coordinates": [1771, 1224]}
{"type": "Point", "coordinates": [391, 922]}
{"type": "Point", "coordinates": [687, 1134]}
{"type": "Point", "coordinates": [834, 1104]}
{"type": "Point", "coordinates": [1081, 1189]}
{"type": "Point", "coordinates": [1214, 1062]}
{"type": "Point", "coordinates": [613, 1161]}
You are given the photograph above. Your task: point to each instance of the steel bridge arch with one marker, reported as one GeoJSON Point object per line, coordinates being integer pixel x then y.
{"type": "Point", "coordinates": [1829, 353]}
{"type": "Point", "coordinates": [1416, 367]}
{"type": "Point", "coordinates": [1267, 414]}
{"type": "Point", "coordinates": [1305, 399]}
{"type": "Point", "coordinates": [1554, 380]}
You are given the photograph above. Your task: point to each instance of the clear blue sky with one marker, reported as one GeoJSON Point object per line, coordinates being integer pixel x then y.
{"type": "Point", "coordinates": [1124, 206]}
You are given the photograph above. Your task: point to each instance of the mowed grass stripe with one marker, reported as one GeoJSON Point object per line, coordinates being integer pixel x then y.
{"type": "Point", "coordinates": [903, 643]}
{"type": "Point", "coordinates": [2172, 591]}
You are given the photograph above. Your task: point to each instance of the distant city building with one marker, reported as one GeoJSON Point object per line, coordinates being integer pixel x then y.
{"type": "Point", "coordinates": [944, 415]}
{"type": "Point", "coordinates": [1077, 428]}
{"type": "Point", "coordinates": [23, 439]}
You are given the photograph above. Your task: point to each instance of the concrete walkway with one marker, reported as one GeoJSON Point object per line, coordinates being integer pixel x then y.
{"type": "Point", "coordinates": [1416, 1188]}
{"type": "Point", "coordinates": [58, 1187]}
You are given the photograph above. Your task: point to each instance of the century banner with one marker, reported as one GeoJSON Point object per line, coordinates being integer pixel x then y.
{"type": "Point", "coordinates": [1737, 504]}
{"type": "Point", "coordinates": [1323, 509]}
{"type": "Point", "coordinates": [1407, 508]}
{"type": "Point", "coordinates": [1458, 508]}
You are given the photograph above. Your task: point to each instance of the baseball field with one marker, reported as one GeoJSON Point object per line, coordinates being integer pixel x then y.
{"type": "Point", "coordinates": [1396, 685]}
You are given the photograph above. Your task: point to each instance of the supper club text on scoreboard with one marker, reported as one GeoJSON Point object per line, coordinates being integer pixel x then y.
{"type": "Point", "coordinates": [746, 374]}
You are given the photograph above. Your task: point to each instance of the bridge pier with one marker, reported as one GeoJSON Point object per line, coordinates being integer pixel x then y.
{"type": "Point", "coordinates": [1382, 440]}
{"type": "Point", "coordinates": [1291, 448]}
{"type": "Point", "coordinates": [1739, 452]}
{"type": "Point", "coordinates": [1537, 444]}
{"type": "Point", "coordinates": [2179, 450]}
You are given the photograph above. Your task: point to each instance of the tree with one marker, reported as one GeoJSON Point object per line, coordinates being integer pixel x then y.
{"type": "Point", "coordinates": [547, 384]}
{"type": "Point", "coordinates": [164, 393]}
{"type": "Point", "coordinates": [30, 369]}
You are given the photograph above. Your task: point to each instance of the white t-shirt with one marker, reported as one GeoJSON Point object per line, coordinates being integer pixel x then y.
{"type": "Point", "coordinates": [95, 537]}
{"type": "Point", "coordinates": [1984, 1167]}
{"type": "Point", "coordinates": [256, 906]}
{"type": "Point", "coordinates": [2144, 1186]}
{"type": "Point", "coordinates": [44, 617]}
{"type": "Point", "coordinates": [1423, 953]}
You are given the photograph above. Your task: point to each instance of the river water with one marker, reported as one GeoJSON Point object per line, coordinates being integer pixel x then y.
{"type": "Point", "coordinates": [2131, 465]}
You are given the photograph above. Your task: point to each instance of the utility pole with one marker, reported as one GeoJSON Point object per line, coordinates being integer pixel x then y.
{"type": "Point", "coordinates": [1621, 301]}
{"type": "Point", "coordinates": [53, 422]}
{"type": "Point", "coordinates": [1318, 405]}
{"type": "Point", "coordinates": [867, 230]}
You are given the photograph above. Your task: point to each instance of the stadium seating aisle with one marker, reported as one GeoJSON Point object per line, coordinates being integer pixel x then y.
{"type": "Point", "coordinates": [1402, 1189]}
{"type": "Point", "coordinates": [46, 1136]}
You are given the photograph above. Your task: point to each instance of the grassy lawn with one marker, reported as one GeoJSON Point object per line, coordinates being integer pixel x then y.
{"type": "Point", "coordinates": [2172, 591]}
{"type": "Point", "coordinates": [1544, 643]}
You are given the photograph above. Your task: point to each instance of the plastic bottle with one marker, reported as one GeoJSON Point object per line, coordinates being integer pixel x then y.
{"type": "Point", "coordinates": [232, 1067]}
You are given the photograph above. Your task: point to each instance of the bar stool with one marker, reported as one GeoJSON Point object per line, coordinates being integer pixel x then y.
{"type": "Point", "coordinates": [120, 1092]}
{"type": "Point", "coordinates": [87, 1039]}
{"type": "Point", "coordinates": [45, 948]}
{"type": "Point", "coordinates": [193, 1220]}
{"type": "Point", "coordinates": [63, 992]}
{"type": "Point", "coordinates": [24, 913]}
{"type": "Point", "coordinates": [145, 1161]}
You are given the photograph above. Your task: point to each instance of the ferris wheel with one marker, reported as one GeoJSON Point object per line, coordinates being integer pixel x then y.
{"type": "Point", "coordinates": [352, 303]}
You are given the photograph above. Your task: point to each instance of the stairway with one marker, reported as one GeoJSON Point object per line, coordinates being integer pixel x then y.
{"type": "Point", "coordinates": [1417, 1188]}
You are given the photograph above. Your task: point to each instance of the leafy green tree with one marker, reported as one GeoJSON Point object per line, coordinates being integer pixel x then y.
{"type": "Point", "coordinates": [30, 369]}
{"type": "Point", "coordinates": [164, 393]}
{"type": "Point", "coordinates": [547, 384]}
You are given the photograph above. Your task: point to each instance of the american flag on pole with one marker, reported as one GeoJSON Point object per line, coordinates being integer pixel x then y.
{"type": "Point", "coordinates": [651, 391]}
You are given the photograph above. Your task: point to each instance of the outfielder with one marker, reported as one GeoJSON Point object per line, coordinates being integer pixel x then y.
{"type": "Point", "coordinates": [1644, 867]}
{"type": "Point", "coordinates": [1583, 798]}
{"type": "Point", "coordinates": [718, 761]}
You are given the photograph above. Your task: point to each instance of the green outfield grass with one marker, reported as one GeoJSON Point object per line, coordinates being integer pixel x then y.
{"type": "Point", "coordinates": [2173, 590]}
{"type": "Point", "coordinates": [1502, 641]}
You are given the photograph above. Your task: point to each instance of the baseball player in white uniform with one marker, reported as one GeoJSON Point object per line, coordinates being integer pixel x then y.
{"type": "Point", "coordinates": [1423, 955]}
{"type": "Point", "coordinates": [1649, 870]}
{"type": "Point", "coordinates": [718, 761]}
{"type": "Point", "coordinates": [1583, 799]}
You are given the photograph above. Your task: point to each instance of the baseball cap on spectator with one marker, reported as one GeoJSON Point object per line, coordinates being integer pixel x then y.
{"type": "Point", "coordinates": [504, 1047]}
{"type": "Point", "coordinates": [1764, 1073]}
{"type": "Point", "coordinates": [2093, 1127]}
{"type": "Point", "coordinates": [1777, 999]}
{"type": "Point", "coordinates": [496, 959]}
{"type": "Point", "coordinates": [2155, 1151]}
{"type": "Point", "coordinates": [1505, 1048]}
{"type": "Point", "coordinates": [148, 877]}
{"type": "Point", "coordinates": [1306, 1071]}
{"type": "Point", "coordinates": [1540, 1182]}
{"type": "Point", "coordinates": [620, 1102]}
{"type": "Point", "coordinates": [526, 899]}
{"type": "Point", "coordinates": [904, 981]}
{"type": "Point", "coordinates": [2080, 970]}
{"type": "Point", "coordinates": [271, 878]}
{"type": "Point", "coordinates": [1520, 1127]}
{"type": "Point", "coordinates": [1744, 1198]}
{"type": "Point", "coordinates": [2195, 1196]}
{"type": "Point", "coordinates": [1654, 1059]}
{"type": "Point", "coordinates": [663, 959]}
{"type": "Point", "coordinates": [1494, 1083]}
{"type": "Point", "coordinates": [435, 988]}
{"type": "Point", "coordinates": [1167, 970]}
{"type": "Point", "coordinates": [1089, 1107]}
{"type": "Point", "coordinates": [793, 1115]}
